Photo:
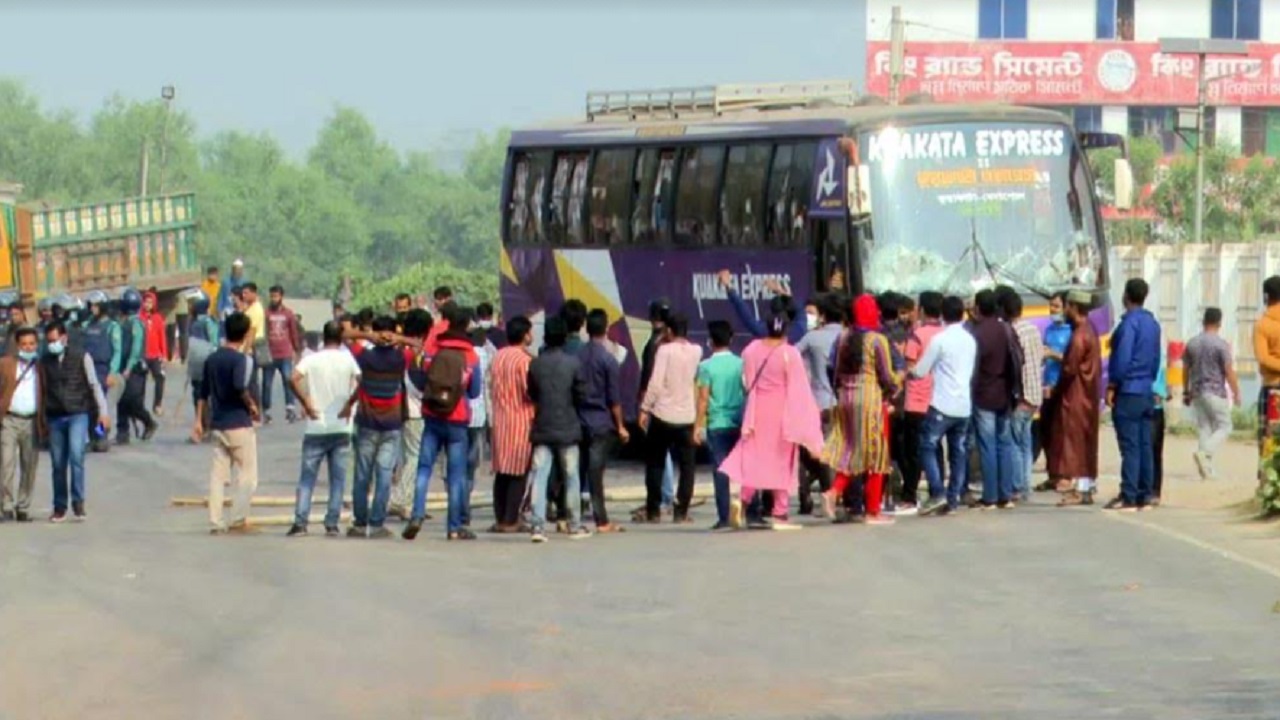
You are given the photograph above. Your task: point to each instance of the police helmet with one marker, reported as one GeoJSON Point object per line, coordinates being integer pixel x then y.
{"type": "Point", "coordinates": [96, 297]}
{"type": "Point", "coordinates": [130, 301]}
{"type": "Point", "coordinates": [197, 300]}
{"type": "Point", "coordinates": [68, 302]}
{"type": "Point", "coordinates": [44, 305]}
{"type": "Point", "coordinates": [9, 300]}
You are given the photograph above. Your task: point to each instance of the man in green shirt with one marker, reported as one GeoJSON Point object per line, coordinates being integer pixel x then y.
{"type": "Point", "coordinates": [721, 398]}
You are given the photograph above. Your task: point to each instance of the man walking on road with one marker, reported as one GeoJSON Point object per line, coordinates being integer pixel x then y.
{"type": "Point", "coordinates": [322, 383]}
{"type": "Point", "coordinates": [284, 342]}
{"type": "Point", "coordinates": [1135, 361]}
{"type": "Point", "coordinates": [1208, 371]}
{"type": "Point", "coordinates": [22, 413]}
{"type": "Point", "coordinates": [72, 396]}
{"type": "Point", "coordinates": [226, 391]}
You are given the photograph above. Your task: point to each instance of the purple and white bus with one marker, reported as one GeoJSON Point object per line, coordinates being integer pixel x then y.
{"type": "Point", "coordinates": [654, 192]}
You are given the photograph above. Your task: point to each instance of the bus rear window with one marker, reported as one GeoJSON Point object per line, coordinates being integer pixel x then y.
{"type": "Point", "coordinates": [697, 200]}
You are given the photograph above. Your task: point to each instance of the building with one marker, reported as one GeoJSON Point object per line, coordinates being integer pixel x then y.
{"type": "Point", "coordinates": [1098, 60]}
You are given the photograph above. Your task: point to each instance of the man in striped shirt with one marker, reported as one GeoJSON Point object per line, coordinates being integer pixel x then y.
{"type": "Point", "coordinates": [1032, 392]}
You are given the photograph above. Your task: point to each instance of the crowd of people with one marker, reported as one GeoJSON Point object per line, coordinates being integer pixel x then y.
{"type": "Point", "coordinates": [863, 397]}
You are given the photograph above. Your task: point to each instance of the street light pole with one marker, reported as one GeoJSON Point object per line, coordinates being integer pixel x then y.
{"type": "Point", "coordinates": [167, 93]}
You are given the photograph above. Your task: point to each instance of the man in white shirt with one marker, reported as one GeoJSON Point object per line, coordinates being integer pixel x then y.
{"type": "Point", "coordinates": [21, 412]}
{"type": "Point", "coordinates": [950, 359]}
{"type": "Point", "coordinates": [323, 382]}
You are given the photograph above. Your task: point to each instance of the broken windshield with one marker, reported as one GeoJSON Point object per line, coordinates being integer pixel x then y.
{"type": "Point", "coordinates": [962, 206]}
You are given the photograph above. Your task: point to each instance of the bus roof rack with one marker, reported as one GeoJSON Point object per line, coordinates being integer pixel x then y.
{"type": "Point", "coordinates": [716, 99]}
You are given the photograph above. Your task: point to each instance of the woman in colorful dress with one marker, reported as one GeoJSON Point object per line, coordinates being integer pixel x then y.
{"type": "Point", "coordinates": [780, 417]}
{"type": "Point", "coordinates": [512, 421]}
{"type": "Point", "coordinates": [865, 380]}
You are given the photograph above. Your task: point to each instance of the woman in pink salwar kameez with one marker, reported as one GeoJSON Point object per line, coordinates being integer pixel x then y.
{"type": "Point", "coordinates": [780, 418]}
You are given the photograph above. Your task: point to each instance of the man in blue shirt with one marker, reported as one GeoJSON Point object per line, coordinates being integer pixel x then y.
{"type": "Point", "coordinates": [225, 390]}
{"type": "Point", "coordinates": [1057, 335]}
{"type": "Point", "coordinates": [600, 411]}
{"type": "Point", "coordinates": [1132, 372]}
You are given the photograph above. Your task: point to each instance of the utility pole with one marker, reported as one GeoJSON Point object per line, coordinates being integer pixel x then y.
{"type": "Point", "coordinates": [1202, 92]}
{"type": "Point", "coordinates": [167, 93]}
{"type": "Point", "coordinates": [897, 53]}
{"type": "Point", "coordinates": [145, 166]}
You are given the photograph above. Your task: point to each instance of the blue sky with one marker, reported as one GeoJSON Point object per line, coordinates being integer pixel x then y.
{"type": "Point", "coordinates": [424, 73]}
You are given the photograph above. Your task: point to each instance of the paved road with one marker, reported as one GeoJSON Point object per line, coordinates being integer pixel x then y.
{"type": "Point", "coordinates": [1038, 613]}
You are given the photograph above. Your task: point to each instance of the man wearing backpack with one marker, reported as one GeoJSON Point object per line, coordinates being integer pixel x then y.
{"type": "Point", "coordinates": [451, 378]}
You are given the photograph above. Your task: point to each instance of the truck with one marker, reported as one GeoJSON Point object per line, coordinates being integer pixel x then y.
{"type": "Point", "coordinates": [141, 242]}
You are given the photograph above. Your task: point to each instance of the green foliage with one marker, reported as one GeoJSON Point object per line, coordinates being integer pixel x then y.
{"type": "Point", "coordinates": [469, 286]}
{"type": "Point", "coordinates": [1240, 200]}
{"type": "Point", "coordinates": [354, 208]}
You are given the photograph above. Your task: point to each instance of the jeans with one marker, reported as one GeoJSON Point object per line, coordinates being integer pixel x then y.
{"type": "Point", "coordinates": [956, 431]}
{"type": "Point", "coordinates": [720, 443]}
{"type": "Point", "coordinates": [377, 452]}
{"type": "Point", "coordinates": [664, 440]}
{"type": "Point", "coordinates": [668, 482]}
{"type": "Point", "coordinates": [995, 447]}
{"type": "Point", "coordinates": [475, 453]}
{"type": "Point", "coordinates": [439, 435]}
{"type": "Point", "coordinates": [1132, 416]}
{"type": "Point", "coordinates": [336, 450]}
{"type": "Point", "coordinates": [599, 448]}
{"type": "Point", "coordinates": [68, 436]}
{"type": "Point", "coordinates": [1021, 430]}
{"type": "Point", "coordinates": [285, 368]}
{"type": "Point", "coordinates": [542, 462]}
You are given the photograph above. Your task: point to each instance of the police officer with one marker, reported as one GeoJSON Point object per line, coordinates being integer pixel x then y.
{"type": "Point", "coordinates": [69, 309]}
{"type": "Point", "coordinates": [202, 340]}
{"type": "Point", "coordinates": [133, 368]}
{"type": "Point", "coordinates": [100, 338]}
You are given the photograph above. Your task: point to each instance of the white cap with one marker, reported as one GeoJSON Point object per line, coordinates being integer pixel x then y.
{"type": "Point", "coordinates": [238, 263]}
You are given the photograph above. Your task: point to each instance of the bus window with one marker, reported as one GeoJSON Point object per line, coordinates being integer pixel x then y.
{"type": "Point", "coordinates": [652, 196]}
{"type": "Point", "coordinates": [524, 210]}
{"type": "Point", "coordinates": [790, 187]}
{"type": "Point", "coordinates": [557, 207]}
{"type": "Point", "coordinates": [744, 179]}
{"type": "Point", "coordinates": [610, 193]}
{"type": "Point", "coordinates": [578, 200]}
{"type": "Point", "coordinates": [697, 195]}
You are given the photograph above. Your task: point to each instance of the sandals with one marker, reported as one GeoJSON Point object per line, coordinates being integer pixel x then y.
{"type": "Point", "coordinates": [462, 534]}
{"type": "Point", "coordinates": [610, 528]}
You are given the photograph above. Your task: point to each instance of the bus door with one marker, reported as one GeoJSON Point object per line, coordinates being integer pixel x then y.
{"type": "Point", "coordinates": [832, 254]}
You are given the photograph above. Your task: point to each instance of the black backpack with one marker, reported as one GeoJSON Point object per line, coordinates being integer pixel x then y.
{"type": "Point", "coordinates": [443, 389]}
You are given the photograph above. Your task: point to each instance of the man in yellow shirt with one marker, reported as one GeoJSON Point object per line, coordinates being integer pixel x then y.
{"type": "Point", "coordinates": [1266, 348]}
{"type": "Point", "coordinates": [212, 285]}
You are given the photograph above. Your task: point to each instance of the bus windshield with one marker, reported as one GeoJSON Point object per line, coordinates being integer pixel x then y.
{"type": "Point", "coordinates": [960, 206]}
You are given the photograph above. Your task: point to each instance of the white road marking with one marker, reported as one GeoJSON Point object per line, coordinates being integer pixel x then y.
{"type": "Point", "coordinates": [1196, 542]}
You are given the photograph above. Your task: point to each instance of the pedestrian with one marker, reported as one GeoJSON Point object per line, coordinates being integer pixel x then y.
{"type": "Point", "coordinates": [401, 306]}
{"type": "Point", "coordinates": [557, 389]}
{"type": "Point", "coordinates": [1208, 373]}
{"type": "Point", "coordinates": [212, 285]}
{"type": "Point", "coordinates": [451, 379]}
{"type": "Point", "coordinates": [949, 360]}
{"type": "Point", "coordinates": [202, 342]}
{"type": "Point", "coordinates": [659, 312]}
{"type": "Point", "coordinates": [1031, 349]}
{"type": "Point", "coordinates": [230, 290]}
{"type": "Point", "coordinates": [1057, 335]}
{"type": "Point", "coordinates": [600, 412]}
{"type": "Point", "coordinates": [416, 326]}
{"type": "Point", "coordinates": [22, 420]}
{"type": "Point", "coordinates": [156, 350]}
{"type": "Point", "coordinates": [995, 395]}
{"type": "Point", "coordinates": [284, 343]}
{"type": "Point", "coordinates": [101, 339]}
{"type": "Point", "coordinates": [133, 368]}
{"type": "Point", "coordinates": [721, 398]}
{"type": "Point", "coordinates": [492, 330]}
{"type": "Point", "coordinates": [379, 422]}
{"type": "Point", "coordinates": [1266, 349]}
{"type": "Point", "coordinates": [1131, 374]}
{"type": "Point", "coordinates": [919, 393]}
{"type": "Point", "coordinates": [667, 412]}
{"type": "Point", "coordinates": [322, 383]}
{"type": "Point", "coordinates": [816, 348]}
{"type": "Point", "coordinates": [1159, 396]}
{"type": "Point", "coordinates": [896, 314]}
{"type": "Point", "coordinates": [442, 298]}
{"type": "Point", "coordinates": [71, 398]}
{"type": "Point", "coordinates": [780, 416]}
{"type": "Point", "coordinates": [1072, 448]}
{"type": "Point", "coordinates": [512, 422]}
{"type": "Point", "coordinates": [225, 389]}
{"type": "Point", "coordinates": [858, 446]}
{"type": "Point", "coordinates": [256, 342]}
{"type": "Point", "coordinates": [478, 426]}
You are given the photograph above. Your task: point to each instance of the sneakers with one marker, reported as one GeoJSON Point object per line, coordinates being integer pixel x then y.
{"type": "Point", "coordinates": [580, 533]}
{"type": "Point", "coordinates": [22, 516]}
{"type": "Point", "coordinates": [58, 516]}
{"type": "Point", "coordinates": [379, 533]}
{"type": "Point", "coordinates": [1006, 505]}
{"type": "Point", "coordinates": [906, 509]}
{"type": "Point", "coordinates": [537, 537]}
{"type": "Point", "coordinates": [462, 534]}
{"type": "Point", "coordinates": [77, 510]}
{"type": "Point", "coordinates": [722, 527]}
{"type": "Point", "coordinates": [297, 531]}
{"type": "Point", "coordinates": [411, 530]}
{"type": "Point", "coordinates": [357, 531]}
{"type": "Point", "coordinates": [151, 430]}
{"type": "Point", "coordinates": [332, 531]}
{"type": "Point", "coordinates": [933, 506]}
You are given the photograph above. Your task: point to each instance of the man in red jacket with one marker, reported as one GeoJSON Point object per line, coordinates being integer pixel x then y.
{"type": "Point", "coordinates": [284, 341]}
{"type": "Point", "coordinates": [156, 349]}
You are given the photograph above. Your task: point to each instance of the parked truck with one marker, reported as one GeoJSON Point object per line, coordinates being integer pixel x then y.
{"type": "Point", "coordinates": [140, 242]}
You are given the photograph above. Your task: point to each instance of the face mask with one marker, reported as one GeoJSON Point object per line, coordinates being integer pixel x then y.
{"type": "Point", "coordinates": [810, 321]}
{"type": "Point", "coordinates": [484, 324]}
{"type": "Point", "coordinates": [27, 355]}
{"type": "Point", "coordinates": [56, 347]}
{"type": "Point", "coordinates": [1058, 318]}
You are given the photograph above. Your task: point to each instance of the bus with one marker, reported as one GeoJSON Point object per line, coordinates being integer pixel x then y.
{"type": "Point", "coordinates": [805, 186]}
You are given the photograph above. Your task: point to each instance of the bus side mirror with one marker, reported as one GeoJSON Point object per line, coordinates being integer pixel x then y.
{"type": "Point", "coordinates": [1124, 184]}
{"type": "Point", "coordinates": [858, 183]}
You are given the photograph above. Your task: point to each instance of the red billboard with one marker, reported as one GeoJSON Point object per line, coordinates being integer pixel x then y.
{"type": "Point", "coordinates": [1074, 73]}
